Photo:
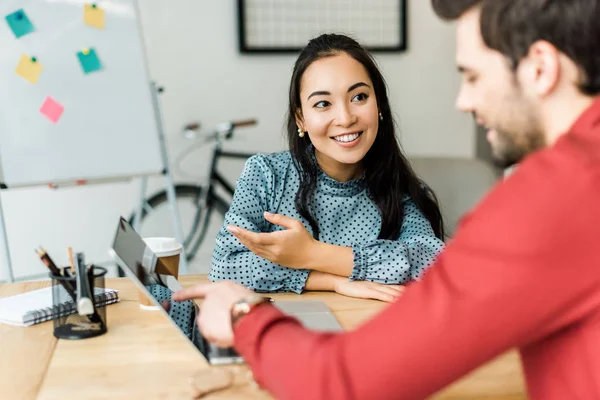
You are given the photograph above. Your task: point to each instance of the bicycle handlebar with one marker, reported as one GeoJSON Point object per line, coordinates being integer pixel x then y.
{"type": "Point", "coordinates": [244, 122]}
{"type": "Point", "coordinates": [223, 131]}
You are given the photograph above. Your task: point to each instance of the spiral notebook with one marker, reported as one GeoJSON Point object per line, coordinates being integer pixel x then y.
{"type": "Point", "coordinates": [33, 307]}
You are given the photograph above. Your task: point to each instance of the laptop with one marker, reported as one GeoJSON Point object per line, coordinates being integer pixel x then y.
{"type": "Point", "coordinates": [314, 314]}
{"type": "Point", "coordinates": [138, 262]}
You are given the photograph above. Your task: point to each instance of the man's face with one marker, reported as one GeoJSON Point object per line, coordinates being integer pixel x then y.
{"type": "Point", "coordinates": [491, 91]}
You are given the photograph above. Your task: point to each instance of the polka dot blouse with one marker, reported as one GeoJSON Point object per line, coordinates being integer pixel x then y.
{"type": "Point", "coordinates": [345, 215]}
{"type": "Point", "coordinates": [182, 312]}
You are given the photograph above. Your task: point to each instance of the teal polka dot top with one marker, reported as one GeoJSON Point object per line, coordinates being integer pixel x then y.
{"type": "Point", "coordinates": [346, 217]}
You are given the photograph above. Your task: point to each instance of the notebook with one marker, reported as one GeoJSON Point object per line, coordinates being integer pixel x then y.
{"type": "Point", "coordinates": [33, 307]}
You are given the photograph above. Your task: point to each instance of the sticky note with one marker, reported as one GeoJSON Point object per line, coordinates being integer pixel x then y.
{"type": "Point", "coordinates": [89, 60]}
{"type": "Point", "coordinates": [51, 109]}
{"type": "Point", "coordinates": [29, 68]}
{"type": "Point", "coordinates": [93, 16]}
{"type": "Point", "coordinates": [19, 23]}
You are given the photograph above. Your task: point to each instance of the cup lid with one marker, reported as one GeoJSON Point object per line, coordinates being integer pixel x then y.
{"type": "Point", "coordinates": [163, 246]}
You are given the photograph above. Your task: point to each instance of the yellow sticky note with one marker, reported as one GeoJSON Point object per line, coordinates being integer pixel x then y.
{"type": "Point", "coordinates": [93, 16]}
{"type": "Point", "coordinates": [29, 69]}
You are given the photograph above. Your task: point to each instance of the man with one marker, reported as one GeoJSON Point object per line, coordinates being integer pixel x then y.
{"type": "Point", "coordinates": [524, 268]}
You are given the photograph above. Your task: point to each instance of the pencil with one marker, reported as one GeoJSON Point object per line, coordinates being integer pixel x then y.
{"type": "Point", "coordinates": [43, 255]}
{"type": "Point", "coordinates": [55, 271]}
{"type": "Point", "coordinates": [71, 260]}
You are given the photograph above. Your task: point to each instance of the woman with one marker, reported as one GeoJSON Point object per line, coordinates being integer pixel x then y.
{"type": "Point", "coordinates": [342, 210]}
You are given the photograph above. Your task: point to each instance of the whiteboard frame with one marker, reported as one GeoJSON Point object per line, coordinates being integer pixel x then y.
{"type": "Point", "coordinates": [246, 48]}
{"type": "Point", "coordinates": [107, 114]}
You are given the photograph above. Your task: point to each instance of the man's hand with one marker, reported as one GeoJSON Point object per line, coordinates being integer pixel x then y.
{"type": "Point", "coordinates": [215, 315]}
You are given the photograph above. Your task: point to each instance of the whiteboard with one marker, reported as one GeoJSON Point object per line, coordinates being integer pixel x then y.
{"type": "Point", "coordinates": [108, 128]}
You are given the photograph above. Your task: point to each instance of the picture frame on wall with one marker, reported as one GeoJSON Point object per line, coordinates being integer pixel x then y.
{"type": "Point", "coordinates": [285, 26]}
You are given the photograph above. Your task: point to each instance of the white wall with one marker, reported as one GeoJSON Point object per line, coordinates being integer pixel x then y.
{"type": "Point", "coordinates": [192, 52]}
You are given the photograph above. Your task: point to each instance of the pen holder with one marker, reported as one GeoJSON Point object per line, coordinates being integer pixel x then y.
{"type": "Point", "coordinates": [68, 324]}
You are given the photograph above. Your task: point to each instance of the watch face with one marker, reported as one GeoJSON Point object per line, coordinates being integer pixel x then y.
{"type": "Point", "coordinates": [244, 308]}
{"type": "Point", "coordinates": [240, 308]}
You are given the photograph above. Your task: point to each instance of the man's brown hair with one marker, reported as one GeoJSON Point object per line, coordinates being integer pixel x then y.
{"type": "Point", "coordinates": [512, 26]}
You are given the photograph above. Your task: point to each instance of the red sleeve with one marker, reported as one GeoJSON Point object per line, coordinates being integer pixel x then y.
{"type": "Point", "coordinates": [520, 268]}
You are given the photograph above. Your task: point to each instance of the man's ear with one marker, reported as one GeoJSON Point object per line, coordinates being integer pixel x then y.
{"type": "Point", "coordinates": [544, 67]}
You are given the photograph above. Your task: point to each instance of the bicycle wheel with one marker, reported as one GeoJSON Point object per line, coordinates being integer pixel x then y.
{"type": "Point", "coordinates": [216, 203]}
{"type": "Point", "coordinates": [157, 217]}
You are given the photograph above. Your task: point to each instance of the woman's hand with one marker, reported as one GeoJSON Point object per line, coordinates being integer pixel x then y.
{"type": "Point", "coordinates": [215, 315]}
{"type": "Point", "coordinates": [292, 247]}
{"type": "Point", "coordinates": [368, 290]}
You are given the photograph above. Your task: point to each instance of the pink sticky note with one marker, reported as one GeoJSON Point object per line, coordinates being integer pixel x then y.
{"type": "Point", "coordinates": [51, 109]}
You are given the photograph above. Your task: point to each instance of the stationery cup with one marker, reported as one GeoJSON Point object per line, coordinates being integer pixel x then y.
{"type": "Point", "coordinates": [167, 251]}
{"type": "Point", "coordinates": [69, 324]}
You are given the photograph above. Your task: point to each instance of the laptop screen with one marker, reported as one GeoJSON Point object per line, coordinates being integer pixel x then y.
{"type": "Point", "coordinates": [137, 261]}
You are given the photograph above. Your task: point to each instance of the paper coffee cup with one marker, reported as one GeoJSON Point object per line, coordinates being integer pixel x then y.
{"type": "Point", "coordinates": [167, 252]}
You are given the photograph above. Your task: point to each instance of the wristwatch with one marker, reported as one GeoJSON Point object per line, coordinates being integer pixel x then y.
{"type": "Point", "coordinates": [245, 305]}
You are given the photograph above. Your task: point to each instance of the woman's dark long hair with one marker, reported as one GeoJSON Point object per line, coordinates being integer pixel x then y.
{"type": "Point", "coordinates": [388, 174]}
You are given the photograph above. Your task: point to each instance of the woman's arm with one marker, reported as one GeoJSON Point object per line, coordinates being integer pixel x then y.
{"type": "Point", "coordinates": [382, 261]}
{"type": "Point", "coordinates": [320, 281]}
{"type": "Point", "coordinates": [398, 261]}
{"type": "Point", "coordinates": [360, 289]}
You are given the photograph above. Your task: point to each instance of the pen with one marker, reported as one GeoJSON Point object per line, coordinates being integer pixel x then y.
{"type": "Point", "coordinates": [90, 277]}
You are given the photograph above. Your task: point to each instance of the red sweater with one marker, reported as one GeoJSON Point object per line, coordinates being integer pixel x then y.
{"type": "Point", "coordinates": [523, 271]}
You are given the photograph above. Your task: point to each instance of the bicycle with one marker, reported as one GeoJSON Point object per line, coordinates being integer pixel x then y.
{"type": "Point", "coordinates": [202, 199]}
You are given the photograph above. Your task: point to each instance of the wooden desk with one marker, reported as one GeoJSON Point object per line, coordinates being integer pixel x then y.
{"type": "Point", "coordinates": [143, 356]}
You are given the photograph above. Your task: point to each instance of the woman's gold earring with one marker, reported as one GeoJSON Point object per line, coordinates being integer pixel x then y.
{"type": "Point", "coordinates": [380, 117]}
{"type": "Point", "coordinates": [300, 133]}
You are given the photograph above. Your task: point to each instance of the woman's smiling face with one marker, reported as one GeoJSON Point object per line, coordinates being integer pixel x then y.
{"type": "Point", "coordinates": [339, 113]}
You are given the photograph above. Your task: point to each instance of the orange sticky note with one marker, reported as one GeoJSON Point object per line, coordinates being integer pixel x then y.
{"type": "Point", "coordinates": [93, 16]}
{"type": "Point", "coordinates": [29, 68]}
{"type": "Point", "coordinates": [51, 109]}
